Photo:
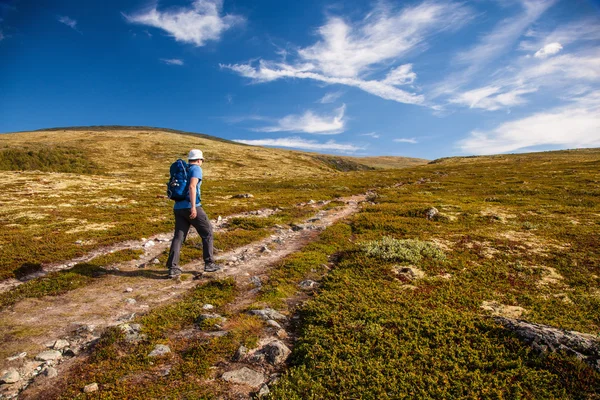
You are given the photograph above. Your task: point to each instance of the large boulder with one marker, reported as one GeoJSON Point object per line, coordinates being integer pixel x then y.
{"type": "Point", "coordinates": [244, 376]}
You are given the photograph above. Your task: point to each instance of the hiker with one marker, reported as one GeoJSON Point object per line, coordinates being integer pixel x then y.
{"type": "Point", "coordinates": [191, 213]}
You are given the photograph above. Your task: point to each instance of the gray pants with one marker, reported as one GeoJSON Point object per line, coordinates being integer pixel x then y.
{"type": "Point", "coordinates": [182, 226]}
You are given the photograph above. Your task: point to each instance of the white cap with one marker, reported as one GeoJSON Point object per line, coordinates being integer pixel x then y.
{"type": "Point", "coordinates": [195, 155]}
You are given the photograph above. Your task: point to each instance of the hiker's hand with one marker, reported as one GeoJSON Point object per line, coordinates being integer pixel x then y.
{"type": "Point", "coordinates": [193, 213]}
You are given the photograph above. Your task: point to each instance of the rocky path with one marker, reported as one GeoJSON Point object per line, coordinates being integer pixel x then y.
{"type": "Point", "coordinates": [31, 328]}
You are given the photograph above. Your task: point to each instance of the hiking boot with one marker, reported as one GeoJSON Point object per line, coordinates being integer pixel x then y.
{"type": "Point", "coordinates": [212, 267]}
{"type": "Point", "coordinates": [174, 273]}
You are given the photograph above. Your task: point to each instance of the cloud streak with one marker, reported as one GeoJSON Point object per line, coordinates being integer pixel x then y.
{"type": "Point", "coordinates": [299, 143]}
{"type": "Point", "coordinates": [310, 122]}
{"type": "Point", "coordinates": [172, 61]}
{"type": "Point", "coordinates": [71, 23]}
{"type": "Point", "coordinates": [197, 25]}
{"type": "Point", "coordinates": [347, 53]}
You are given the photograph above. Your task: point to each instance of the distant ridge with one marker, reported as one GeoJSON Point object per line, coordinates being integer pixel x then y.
{"type": "Point", "coordinates": [100, 128]}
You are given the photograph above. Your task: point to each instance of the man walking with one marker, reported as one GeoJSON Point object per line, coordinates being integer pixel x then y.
{"type": "Point", "coordinates": [191, 213]}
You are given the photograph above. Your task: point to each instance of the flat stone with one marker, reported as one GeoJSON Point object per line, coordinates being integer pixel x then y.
{"type": "Point", "coordinates": [92, 387]}
{"type": "Point", "coordinates": [10, 376]}
{"type": "Point", "coordinates": [273, 324]}
{"type": "Point", "coordinates": [208, 307]}
{"type": "Point", "coordinates": [130, 301]}
{"type": "Point", "coordinates": [308, 284]}
{"type": "Point", "coordinates": [268, 313]}
{"type": "Point", "coordinates": [244, 376]}
{"type": "Point", "coordinates": [50, 372]}
{"type": "Point", "coordinates": [17, 356]}
{"type": "Point", "coordinates": [49, 355]}
{"type": "Point", "coordinates": [276, 352]}
{"type": "Point", "coordinates": [160, 350]}
{"type": "Point", "coordinates": [60, 344]}
{"type": "Point", "coordinates": [149, 243]}
{"type": "Point", "coordinates": [219, 319]}
{"type": "Point", "coordinates": [128, 290]}
{"type": "Point", "coordinates": [156, 261]}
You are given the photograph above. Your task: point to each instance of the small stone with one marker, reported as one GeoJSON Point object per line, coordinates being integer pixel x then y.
{"type": "Point", "coordinates": [92, 387]}
{"type": "Point", "coordinates": [410, 273]}
{"type": "Point", "coordinates": [128, 290]}
{"type": "Point", "coordinates": [307, 284]}
{"type": "Point", "coordinates": [49, 355]}
{"type": "Point", "coordinates": [431, 213]}
{"type": "Point", "coordinates": [296, 228]}
{"type": "Point", "coordinates": [164, 372]}
{"type": "Point", "coordinates": [282, 334]}
{"type": "Point", "coordinates": [311, 202]}
{"type": "Point", "coordinates": [10, 376]}
{"type": "Point", "coordinates": [255, 280]}
{"type": "Point", "coordinates": [50, 372]}
{"type": "Point", "coordinates": [156, 261]}
{"type": "Point", "coordinates": [268, 313]}
{"type": "Point", "coordinates": [160, 350]}
{"type": "Point", "coordinates": [219, 319]}
{"type": "Point", "coordinates": [71, 352]}
{"type": "Point", "coordinates": [130, 301]}
{"type": "Point", "coordinates": [273, 324]}
{"type": "Point", "coordinates": [217, 334]}
{"type": "Point", "coordinates": [219, 218]}
{"type": "Point", "coordinates": [264, 390]}
{"type": "Point", "coordinates": [60, 344]}
{"type": "Point", "coordinates": [149, 243]}
{"type": "Point", "coordinates": [265, 249]}
{"type": "Point", "coordinates": [79, 242]}
{"type": "Point", "coordinates": [208, 307]}
{"type": "Point", "coordinates": [17, 356]}
{"type": "Point", "coordinates": [240, 353]}
{"type": "Point", "coordinates": [242, 196]}
{"type": "Point", "coordinates": [245, 376]}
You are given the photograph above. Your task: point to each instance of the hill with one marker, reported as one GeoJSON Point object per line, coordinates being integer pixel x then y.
{"type": "Point", "coordinates": [420, 287]}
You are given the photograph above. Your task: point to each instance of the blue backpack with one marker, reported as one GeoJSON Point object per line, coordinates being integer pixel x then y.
{"type": "Point", "coordinates": [179, 182]}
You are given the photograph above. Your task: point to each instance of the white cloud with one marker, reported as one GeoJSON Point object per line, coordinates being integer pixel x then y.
{"type": "Point", "coordinates": [548, 50]}
{"type": "Point", "coordinates": [586, 30]}
{"type": "Point", "coordinates": [570, 126]}
{"type": "Point", "coordinates": [492, 97]}
{"type": "Point", "coordinates": [299, 143]}
{"type": "Point", "coordinates": [347, 52]}
{"type": "Point", "coordinates": [406, 140]}
{"type": "Point", "coordinates": [197, 25]}
{"type": "Point", "coordinates": [330, 97]}
{"type": "Point", "coordinates": [71, 23]}
{"type": "Point", "coordinates": [309, 122]}
{"type": "Point", "coordinates": [172, 61]}
{"type": "Point", "coordinates": [374, 135]}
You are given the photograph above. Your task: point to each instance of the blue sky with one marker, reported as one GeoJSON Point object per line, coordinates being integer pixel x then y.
{"type": "Point", "coordinates": [413, 78]}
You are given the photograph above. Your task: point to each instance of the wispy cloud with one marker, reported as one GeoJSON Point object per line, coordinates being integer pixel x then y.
{"type": "Point", "coordinates": [172, 61]}
{"type": "Point", "coordinates": [299, 143]}
{"type": "Point", "coordinates": [1, 35]}
{"type": "Point", "coordinates": [374, 135]}
{"type": "Point", "coordinates": [330, 97]}
{"type": "Point", "coordinates": [548, 50]}
{"type": "Point", "coordinates": [70, 22]}
{"type": "Point", "coordinates": [309, 122]}
{"type": "Point", "coordinates": [347, 52]}
{"type": "Point", "coordinates": [570, 126]}
{"type": "Point", "coordinates": [202, 22]}
{"type": "Point", "coordinates": [406, 140]}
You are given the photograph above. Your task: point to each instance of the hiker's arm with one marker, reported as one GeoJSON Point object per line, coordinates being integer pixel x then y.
{"type": "Point", "coordinates": [193, 187]}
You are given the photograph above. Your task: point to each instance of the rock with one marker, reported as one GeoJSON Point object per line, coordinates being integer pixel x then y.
{"type": "Point", "coordinates": [273, 324]}
{"type": "Point", "coordinates": [156, 261]}
{"type": "Point", "coordinates": [130, 301]}
{"type": "Point", "coordinates": [242, 196]}
{"type": "Point", "coordinates": [208, 307]}
{"type": "Point", "coordinates": [296, 227]}
{"type": "Point", "coordinates": [244, 376]}
{"type": "Point", "coordinates": [545, 338]}
{"type": "Point", "coordinates": [265, 249]}
{"type": "Point", "coordinates": [268, 313]}
{"type": "Point", "coordinates": [282, 334]}
{"type": "Point", "coordinates": [50, 372]}
{"type": "Point", "coordinates": [49, 355]}
{"type": "Point", "coordinates": [311, 202]}
{"type": "Point", "coordinates": [60, 344]}
{"type": "Point", "coordinates": [410, 273]}
{"type": "Point", "coordinates": [149, 244]}
{"type": "Point", "coordinates": [10, 376]}
{"type": "Point", "coordinates": [17, 356]}
{"type": "Point", "coordinates": [240, 353]}
{"type": "Point", "coordinates": [132, 332]}
{"type": "Point", "coordinates": [79, 242]}
{"type": "Point", "coordinates": [92, 387]}
{"type": "Point", "coordinates": [127, 317]}
{"type": "Point", "coordinates": [264, 390]}
{"type": "Point", "coordinates": [219, 218]}
{"type": "Point", "coordinates": [219, 319]}
{"type": "Point", "coordinates": [217, 334]}
{"type": "Point", "coordinates": [431, 213]}
{"type": "Point", "coordinates": [160, 350]}
{"type": "Point", "coordinates": [276, 352]}
{"type": "Point", "coordinates": [308, 284]}
{"type": "Point", "coordinates": [255, 280]}
{"type": "Point", "coordinates": [71, 352]}
{"type": "Point", "coordinates": [128, 290]}
{"type": "Point", "coordinates": [503, 310]}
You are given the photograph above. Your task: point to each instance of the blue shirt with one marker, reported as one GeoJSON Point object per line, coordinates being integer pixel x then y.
{"type": "Point", "coordinates": [194, 172]}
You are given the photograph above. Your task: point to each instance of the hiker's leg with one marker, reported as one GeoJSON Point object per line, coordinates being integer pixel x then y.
{"type": "Point", "coordinates": [204, 228]}
{"type": "Point", "coordinates": [182, 226]}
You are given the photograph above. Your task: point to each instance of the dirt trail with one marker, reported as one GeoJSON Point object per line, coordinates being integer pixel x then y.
{"type": "Point", "coordinates": [33, 324]}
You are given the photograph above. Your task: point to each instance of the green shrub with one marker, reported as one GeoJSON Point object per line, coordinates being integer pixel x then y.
{"type": "Point", "coordinates": [404, 250]}
{"type": "Point", "coordinates": [47, 160]}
